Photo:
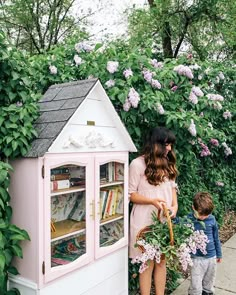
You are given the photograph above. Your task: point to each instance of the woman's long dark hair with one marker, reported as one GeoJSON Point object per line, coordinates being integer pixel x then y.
{"type": "Point", "coordinates": [159, 166]}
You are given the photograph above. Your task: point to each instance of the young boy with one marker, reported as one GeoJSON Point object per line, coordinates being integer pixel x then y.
{"type": "Point", "coordinates": [203, 271]}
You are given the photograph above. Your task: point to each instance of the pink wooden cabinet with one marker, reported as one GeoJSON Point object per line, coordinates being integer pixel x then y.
{"type": "Point", "coordinates": [70, 193]}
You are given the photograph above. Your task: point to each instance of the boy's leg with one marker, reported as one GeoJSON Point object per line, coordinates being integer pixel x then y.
{"type": "Point", "coordinates": [210, 275]}
{"type": "Point", "coordinates": [196, 276]}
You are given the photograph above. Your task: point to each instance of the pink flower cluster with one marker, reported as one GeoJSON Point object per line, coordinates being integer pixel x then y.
{"type": "Point", "coordinates": [205, 150]}
{"type": "Point", "coordinates": [151, 253]}
{"type": "Point", "coordinates": [214, 142]}
{"type": "Point", "coordinates": [112, 66]}
{"type": "Point", "coordinates": [215, 97]}
{"type": "Point", "coordinates": [195, 92]}
{"type": "Point", "coordinates": [184, 71]}
{"type": "Point", "coordinates": [148, 76]}
{"type": "Point", "coordinates": [132, 100]}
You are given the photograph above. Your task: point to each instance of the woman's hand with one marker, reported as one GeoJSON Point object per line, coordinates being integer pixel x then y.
{"type": "Point", "coordinates": [158, 203]}
{"type": "Point", "coordinates": [173, 211]}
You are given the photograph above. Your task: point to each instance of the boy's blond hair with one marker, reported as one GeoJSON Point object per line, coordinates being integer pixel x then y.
{"type": "Point", "coordinates": [203, 203]}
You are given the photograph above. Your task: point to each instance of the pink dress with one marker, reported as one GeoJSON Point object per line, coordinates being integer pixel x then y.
{"type": "Point", "coordinates": [141, 215]}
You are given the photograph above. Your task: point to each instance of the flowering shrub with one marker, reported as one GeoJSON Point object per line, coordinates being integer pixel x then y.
{"type": "Point", "coordinates": [157, 243]}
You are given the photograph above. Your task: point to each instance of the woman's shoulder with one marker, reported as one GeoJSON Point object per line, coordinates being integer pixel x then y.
{"type": "Point", "coordinates": [138, 162]}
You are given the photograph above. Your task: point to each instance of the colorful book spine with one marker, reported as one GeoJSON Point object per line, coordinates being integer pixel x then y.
{"type": "Point", "coordinates": [60, 184]}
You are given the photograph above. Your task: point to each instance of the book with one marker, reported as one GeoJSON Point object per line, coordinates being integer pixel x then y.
{"type": "Point", "coordinates": [60, 184]}
{"type": "Point", "coordinates": [61, 170]}
{"type": "Point", "coordinates": [118, 171]}
{"type": "Point", "coordinates": [114, 201]}
{"type": "Point", "coordinates": [77, 181]}
{"type": "Point", "coordinates": [60, 176]}
{"type": "Point", "coordinates": [108, 204]}
{"type": "Point", "coordinates": [103, 199]}
{"type": "Point", "coordinates": [120, 200]}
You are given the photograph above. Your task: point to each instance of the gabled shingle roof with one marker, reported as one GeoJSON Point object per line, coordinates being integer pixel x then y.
{"type": "Point", "coordinates": [57, 106]}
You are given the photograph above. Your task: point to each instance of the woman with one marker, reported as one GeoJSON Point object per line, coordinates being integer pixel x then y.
{"type": "Point", "coordinates": [151, 185]}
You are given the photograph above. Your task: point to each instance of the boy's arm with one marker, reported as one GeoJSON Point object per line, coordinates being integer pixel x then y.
{"type": "Point", "coordinates": [217, 242]}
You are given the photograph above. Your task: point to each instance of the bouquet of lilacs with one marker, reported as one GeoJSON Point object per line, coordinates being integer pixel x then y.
{"type": "Point", "coordinates": [155, 243]}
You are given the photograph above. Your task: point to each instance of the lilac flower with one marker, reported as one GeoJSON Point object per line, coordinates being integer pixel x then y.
{"type": "Point", "coordinates": [192, 128]}
{"type": "Point", "coordinates": [193, 98]}
{"type": "Point", "coordinates": [83, 46]}
{"type": "Point", "coordinates": [195, 67]}
{"type": "Point", "coordinates": [78, 60]}
{"type": "Point", "coordinates": [221, 76]}
{"type": "Point", "coordinates": [174, 88]}
{"type": "Point", "coordinates": [227, 115]}
{"type": "Point", "coordinates": [133, 97]}
{"type": "Point", "coordinates": [197, 91]}
{"type": "Point", "coordinates": [219, 183]}
{"type": "Point", "coordinates": [147, 75]}
{"type": "Point", "coordinates": [156, 84]}
{"type": "Point", "coordinates": [19, 104]}
{"type": "Point", "coordinates": [199, 77]}
{"type": "Point", "coordinates": [53, 70]}
{"type": "Point", "coordinates": [126, 105]}
{"type": "Point", "coordinates": [184, 255]}
{"type": "Point", "coordinates": [210, 125]}
{"type": "Point", "coordinates": [215, 97]}
{"type": "Point", "coordinates": [217, 105]}
{"type": "Point", "coordinates": [156, 64]}
{"type": "Point", "coordinates": [110, 83]}
{"type": "Point", "coordinates": [198, 241]}
{"type": "Point", "coordinates": [214, 142]}
{"type": "Point", "coordinates": [112, 66]}
{"type": "Point", "coordinates": [201, 114]}
{"type": "Point", "coordinates": [128, 73]}
{"type": "Point", "coordinates": [184, 71]}
{"type": "Point", "coordinates": [160, 109]}
{"type": "Point", "coordinates": [205, 150]}
{"type": "Point", "coordinates": [227, 150]}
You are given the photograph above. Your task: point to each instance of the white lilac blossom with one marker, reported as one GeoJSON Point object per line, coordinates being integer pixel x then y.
{"type": "Point", "coordinates": [205, 150]}
{"type": "Point", "coordinates": [210, 125]}
{"type": "Point", "coordinates": [19, 104]}
{"type": "Point", "coordinates": [221, 76]}
{"type": "Point", "coordinates": [199, 77]}
{"type": "Point", "coordinates": [151, 253]}
{"type": "Point", "coordinates": [133, 97]}
{"type": "Point", "coordinates": [227, 115]}
{"type": "Point", "coordinates": [227, 150]}
{"type": "Point", "coordinates": [160, 109]}
{"type": "Point", "coordinates": [112, 66]}
{"type": "Point", "coordinates": [197, 91]}
{"type": "Point", "coordinates": [217, 106]}
{"type": "Point", "coordinates": [192, 128]}
{"type": "Point", "coordinates": [128, 73]}
{"type": "Point", "coordinates": [184, 71]}
{"type": "Point", "coordinates": [184, 256]}
{"type": "Point", "coordinates": [83, 46]}
{"type": "Point", "coordinates": [78, 60]}
{"type": "Point", "coordinates": [126, 105]}
{"type": "Point", "coordinates": [53, 70]}
{"type": "Point", "coordinates": [207, 71]}
{"type": "Point", "coordinates": [193, 98]}
{"type": "Point", "coordinates": [198, 241]}
{"type": "Point", "coordinates": [110, 83]}
{"type": "Point", "coordinates": [214, 142]}
{"type": "Point", "coordinates": [195, 67]}
{"type": "Point", "coordinates": [215, 97]}
{"type": "Point", "coordinates": [219, 183]}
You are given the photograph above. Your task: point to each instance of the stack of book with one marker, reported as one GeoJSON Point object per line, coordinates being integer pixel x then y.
{"type": "Point", "coordinates": [60, 178]}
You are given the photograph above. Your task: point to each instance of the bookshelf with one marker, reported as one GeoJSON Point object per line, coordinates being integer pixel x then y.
{"type": "Point", "coordinates": [70, 193]}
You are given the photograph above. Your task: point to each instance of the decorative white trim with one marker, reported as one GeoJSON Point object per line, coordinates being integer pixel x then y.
{"type": "Point", "coordinates": [92, 140]}
{"type": "Point", "coordinates": [22, 281]}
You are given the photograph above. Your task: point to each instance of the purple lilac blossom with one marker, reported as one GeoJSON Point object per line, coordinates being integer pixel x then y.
{"type": "Point", "coordinates": [133, 97]}
{"type": "Point", "coordinates": [174, 88]}
{"type": "Point", "coordinates": [205, 150]}
{"type": "Point", "coordinates": [156, 64]}
{"type": "Point", "coordinates": [83, 46]}
{"type": "Point", "coordinates": [215, 97]}
{"type": "Point", "coordinates": [128, 73]}
{"type": "Point", "coordinates": [156, 84]}
{"type": "Point", "coordinates": [214, 142]}
{"type": "Point", "coordinates": [184, 71]}
{"type": "Point", "coordinates": [147, 75]}
{"type": "Point", "coordinates": [193, 98]}
{"type": "Point", "coordinates": [197, 91]}
{"type": "Point", "coordinates": [112, 66]}
{"type": "Point", "coordinates": [126, 105]}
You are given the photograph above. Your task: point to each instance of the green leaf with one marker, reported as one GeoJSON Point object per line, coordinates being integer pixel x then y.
{"type": "Point", "coordinates": [2, 262]}
{"type": "Point", "coordinates": [13, 270]}
{"type": "Point", "coordinates": [17, 250]}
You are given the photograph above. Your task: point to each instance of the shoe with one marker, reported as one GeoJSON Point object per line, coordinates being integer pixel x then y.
{"type": "Point", "coordinates": [206, 293]}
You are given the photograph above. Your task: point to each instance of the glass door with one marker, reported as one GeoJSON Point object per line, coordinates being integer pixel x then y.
{"type": "Point", "coordinates": [69, 215]}
{"type": "Point", "coordinates": [111, 230]}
